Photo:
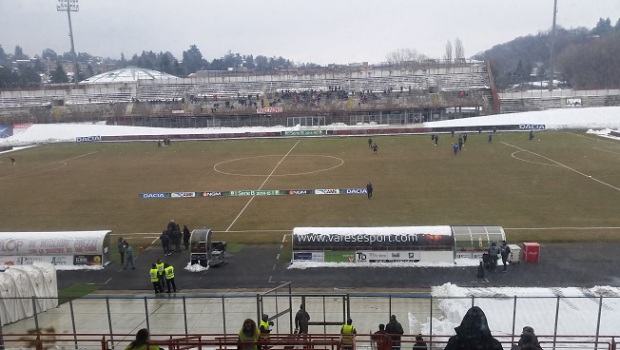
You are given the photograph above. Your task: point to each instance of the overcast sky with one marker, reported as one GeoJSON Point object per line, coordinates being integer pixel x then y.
{"type": "Point", "coordinates": [319, 31]}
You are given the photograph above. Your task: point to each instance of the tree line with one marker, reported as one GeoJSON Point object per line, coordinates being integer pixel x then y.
{"type": "Point", "coordinates": [20, 70]}
{"type": "Point", "coordinates": [583, 58]}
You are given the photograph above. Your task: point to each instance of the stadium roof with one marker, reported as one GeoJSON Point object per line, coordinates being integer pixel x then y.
{"type": "Point", "coordinates": [128, 74]}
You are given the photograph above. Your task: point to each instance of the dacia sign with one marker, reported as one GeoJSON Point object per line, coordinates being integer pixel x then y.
{"type": "Point", "coordinates": [532, 126]}
{"type": "Point", "coordinates": [152, 195]}
{"type": "Point", "coordinates": [87, 139]}
{"type": "Point", "coordinates": [355, 191]}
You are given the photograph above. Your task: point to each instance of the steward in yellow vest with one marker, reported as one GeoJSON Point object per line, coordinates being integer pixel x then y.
{"type": "Point", "coordinates": [153, 274]}
{"type": "Point", "coordinates": [160, 272]}
{"type": "Point", "coordinates": [348, 333]}
{"type": "Point", "coordinates": [264, 330]}
{"type": "Point", "coordinates": [169, 273]}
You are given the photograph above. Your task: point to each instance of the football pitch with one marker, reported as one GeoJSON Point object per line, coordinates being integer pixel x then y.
{"type": "Point", "coordinates": [562, 186]}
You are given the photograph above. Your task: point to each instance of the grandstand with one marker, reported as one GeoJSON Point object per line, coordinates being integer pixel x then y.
{"type": "Point", "coordinates": [405, 94]}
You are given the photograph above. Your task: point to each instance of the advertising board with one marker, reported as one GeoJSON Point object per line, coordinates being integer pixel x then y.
{"type": "Point", "coordinates": [58, 248]}
{"type": "Point", "coordinates": [386, 256]}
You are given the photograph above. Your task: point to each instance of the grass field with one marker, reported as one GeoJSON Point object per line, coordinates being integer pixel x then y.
{"type": "Point", "coordinates": [563, 187]}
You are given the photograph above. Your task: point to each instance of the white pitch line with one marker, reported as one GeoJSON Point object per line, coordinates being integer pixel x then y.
{"type": "Point", "coordinates": [263, 184]}
{"type": "Point", "coordinates": [605, 150]}
{"type": "Point", "coordinates": [565, 166]}
{"type": "Point", "coordinates": [83, 155]}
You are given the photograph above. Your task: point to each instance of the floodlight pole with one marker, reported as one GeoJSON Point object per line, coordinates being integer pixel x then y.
{"type": "Point", "coordinates": [555, 12]}
{"type": "Point", "coordinates": [71, 6]}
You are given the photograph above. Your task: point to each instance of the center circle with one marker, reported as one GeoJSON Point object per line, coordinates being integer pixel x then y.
{"type": "Point", "coordinates": [221, 166]}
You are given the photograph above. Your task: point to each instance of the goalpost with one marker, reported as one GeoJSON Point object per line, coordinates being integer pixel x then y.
{"type": "Point", "coordinates": [305, 121]}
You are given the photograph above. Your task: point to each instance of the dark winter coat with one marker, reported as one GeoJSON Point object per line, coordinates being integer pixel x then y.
{"type": "Point", "coordinates": [505, 251]}
{"type": "Point", "coordinates": [420, 344]}
{"type": "Point", "coordinates": [473, 333]}
{"type": "Point", "coordinates": [395, 329]}
{"type": "Point", "coordinates": [301, 321]}
{"type": "Point", "coordinates": [528, 341]}
{"type": "Point", "coordinates": [165, 238]}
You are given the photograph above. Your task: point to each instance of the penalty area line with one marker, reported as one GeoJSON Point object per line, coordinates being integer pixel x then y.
{"type": "Point", "coordinates": [564, 166]}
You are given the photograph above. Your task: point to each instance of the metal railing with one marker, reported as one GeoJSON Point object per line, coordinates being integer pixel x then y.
{"type": "Point", "coordinates": [280, 341]}
{"type": "Point", "coordinates": [211, 313]}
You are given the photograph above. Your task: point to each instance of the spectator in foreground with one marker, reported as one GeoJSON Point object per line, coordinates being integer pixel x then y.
{"type": "Point", "coordinates": [420, 344]}
{"type": "Point", "coordinates": [381, 338]}
{"type": "Point", "coordinates": [395, 329]}
{"type": "Point", "coordinates": [140, 343]}
{"type": "Point", "coordinates": [348, 332]}
{"type": "Point", "coordinates": [473, 333]}
{"type": "Point", "coordinates": [528, 340]}
{"type": "Point", "coordinates": [248, 336]}
{"type": "Point", "coordinates": [301, 320]}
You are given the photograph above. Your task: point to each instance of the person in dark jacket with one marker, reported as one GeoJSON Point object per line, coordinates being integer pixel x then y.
{"type": "Point", "coordinates": [369, 189]}
{"type": "Point", "coordinates": [505, 252]}
{"type": "Point", "coordinates": [528, 340]}
{"type": "Point", "coordinates": [186, 236]}
{"type": "Point", "coordinates": [171, 225]}
{"type": "Point", "coordinates": [473, 333]}
{"type": "Point", "coordinates": [122, 247]}
{"type": "Point", "coordinates": [395, 329]}
{"type": "Point", "coordinates": [420, 344]}
{"type": "Point", "coordinates": [165, 242]}
{"type": "Point", "coordinates": [301, 320]}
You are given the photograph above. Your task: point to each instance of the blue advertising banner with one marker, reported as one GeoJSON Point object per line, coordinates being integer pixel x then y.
{"type": "Point", "coordinates": [246, 193]}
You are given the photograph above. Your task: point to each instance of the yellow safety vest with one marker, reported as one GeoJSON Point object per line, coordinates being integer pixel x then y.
{"type": "Point", "coordinates": [160, 268]}
{"type": "Point", "coordinates": [245, 338]}
{"type": "Point", "coordinates": [153, 273]}
{"type": "Point", "coordinates": [169, 272]}
{"type": "Point", "coordinates": [347, 334]}
{"type": "Point", "coordinates": [263, 326]}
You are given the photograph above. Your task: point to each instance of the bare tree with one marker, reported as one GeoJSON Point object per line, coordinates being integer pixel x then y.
{"type": "Point", "coordinates": [459, 51]}
{"type": "Point", "coordinates": [404, 56]}
{"type": "Point", "coordinates": [448, 54]}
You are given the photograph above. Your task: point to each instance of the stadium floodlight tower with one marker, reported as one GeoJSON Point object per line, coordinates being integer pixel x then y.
{"type": "Point", "coordinates": [70, 6]}
{"type": "Point", "coordinates": [551, 68]}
